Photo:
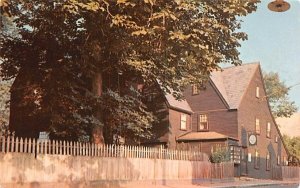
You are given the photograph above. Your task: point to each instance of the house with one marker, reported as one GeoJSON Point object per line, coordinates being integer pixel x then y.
{"type": "Point", "coordinates": [230, 110]}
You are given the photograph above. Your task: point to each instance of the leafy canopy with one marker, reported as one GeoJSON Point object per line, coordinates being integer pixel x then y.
{"type": "Point", "coordinates": [62, 45]}
{"type": "Point", "coordinates": [277, 93]}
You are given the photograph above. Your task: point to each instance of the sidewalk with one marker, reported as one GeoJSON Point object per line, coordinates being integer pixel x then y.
{"type": "Point", "coordinates": [236, 183]}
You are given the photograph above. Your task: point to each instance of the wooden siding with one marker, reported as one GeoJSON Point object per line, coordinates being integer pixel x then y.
{"type": "Point", "coordinates": [251, 108]}
{"type": "Point", "coordinates": [209, 102]}
{"type": "Point", "coordinates": [175, 131]}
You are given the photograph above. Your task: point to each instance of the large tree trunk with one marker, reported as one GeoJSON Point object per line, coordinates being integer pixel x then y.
{"type": "Point", "coordinates": [97, 90]}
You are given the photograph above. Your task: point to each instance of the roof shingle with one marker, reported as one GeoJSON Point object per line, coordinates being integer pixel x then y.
{"type": "Point", "coordinates": [232, 82]}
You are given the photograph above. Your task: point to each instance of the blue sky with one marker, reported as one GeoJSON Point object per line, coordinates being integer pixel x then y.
{"type": "Point", "coordinates": [274, 41]}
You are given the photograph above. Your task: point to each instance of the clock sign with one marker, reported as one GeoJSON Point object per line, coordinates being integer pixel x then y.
{"type": "Point", "coordinates": [252, 139]}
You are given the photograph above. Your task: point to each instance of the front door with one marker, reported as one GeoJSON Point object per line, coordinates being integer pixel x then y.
{"type": "Point", "coordinates": [244, 156]}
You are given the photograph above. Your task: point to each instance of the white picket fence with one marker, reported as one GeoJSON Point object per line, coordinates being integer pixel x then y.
{"type": "Point", "coordinates": [55, 147]}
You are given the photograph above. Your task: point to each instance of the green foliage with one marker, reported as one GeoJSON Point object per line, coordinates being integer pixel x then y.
{"type": "Point", "coordinates": [220, 154]}
{"type": "Point", "coordinates": [62, 45]}
{"type": "Point", "coordinates": [277, 93]}
{"type": "Point", "coordinates": [293, 145]}
{"type": "Point", "coordinates": [4, 105]}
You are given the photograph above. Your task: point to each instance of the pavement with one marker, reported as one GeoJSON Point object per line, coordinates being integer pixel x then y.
{"type": "Point", "coordinates": [243, 182]}
{"type": "Point", "coordinates": [236, 183]}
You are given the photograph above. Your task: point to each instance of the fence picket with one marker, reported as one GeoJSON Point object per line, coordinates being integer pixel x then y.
{"type": "Point", "coordinates": [67, 145]}
{"type": "Point", "coordinates": [17, 145]}
{"type": "Point", "coordinates": [3, 144]}
{"type": "Point", "coordinates": [25, 145]}
{"type": "Point", "coordinates": [7, 143]}
{"type": "Point", "coordinates": [21, 145]}
{"type": "Point", "coordinates": [60, 147]}
{"type": "Point", "coordinates": [56, 147]}
{"type": "Point", "coordinates": [53, 146]}
{"type": "Point", "coordinates": [37, 146]}
{"type": "Point", "coordinates": [29, 145]}
{"type": "Point", "coordinates": [49, 146]}
{"type": "Point", "coordinates": [41, 146]}
{"type": "Point", "coordinates": [46, 147]}
{"type": "Point", "coordinates": [64, 147]}
{"type": "Point", "coordinates": [33, 146]}
{"type": "Point", "coordinates": [12, 144]}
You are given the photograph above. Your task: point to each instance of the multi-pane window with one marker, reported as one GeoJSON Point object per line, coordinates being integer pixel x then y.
{"type": "Point", "coordinates": [268, 162]}
{"type": "Point", "coordinates": [183, 121]}
{"type": "Point", "coordinates": [195, 89]}
{"type": "Point", "coordinates": [257, 126]}
{"type": "Point", "coordinates": [257, 159]}
{"type": "Point", "coordinates": [257, 92]}
{"type": "Point", "coordinates": [203, 123]}
{"type": "Point", "coordinates": [268, 130]}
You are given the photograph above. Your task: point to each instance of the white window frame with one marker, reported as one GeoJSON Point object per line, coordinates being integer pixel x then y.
{"type": "Point", "coordinates": [257, 160]}
{"type": "Point", "coordinates": [268, 161]}
{"type": "Point", "coordinates": [257, 126]}
{"type": "Point", "coordinates": [183, 122]}
{"type": "Point", "coordinates": [268, 134]}
{"type": "Point", "coordinates": [278, 159]}
{"type": "Point", "coordinates": [257, 92]}
{"type": "Point", "coordinates": [200, 118]}
{"type": "Point", "coordinates": [195, 89]}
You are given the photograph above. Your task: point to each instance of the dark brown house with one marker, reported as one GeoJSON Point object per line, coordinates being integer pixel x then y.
{"type": "Point", "coordinates": [230, 110]}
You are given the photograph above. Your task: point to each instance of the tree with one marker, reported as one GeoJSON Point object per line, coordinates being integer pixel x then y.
{"type": "Point", "coordinates": [293, 146]}
{"type": "Point", "coordinates": [277, 94]}
{"type": "Point", "coordinates": [64, 46]}
{"type": "Point", "coordinates": [4, 106]}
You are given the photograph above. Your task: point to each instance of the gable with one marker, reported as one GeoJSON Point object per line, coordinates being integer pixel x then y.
{"type": "Point", "coordinates": [232, 82]}
{"type": "Point", "coordinates": [208, 98]}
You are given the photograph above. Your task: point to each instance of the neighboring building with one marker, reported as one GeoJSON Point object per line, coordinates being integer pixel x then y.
{"type": "Point", "coordinates": [227, 110]}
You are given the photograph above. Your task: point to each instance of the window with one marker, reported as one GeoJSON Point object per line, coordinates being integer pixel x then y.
{"type": "Point", "coordinates": [278, 159]}
{"type": "Point", "coordinates": [257, 159]}
{"type": "Point", "coordinates": [195, 89]}
{"type": "Point", "coordinates": [257, 126]}
{"type": "Point", "coordinates": [276, 139]}
{"type": "Point", "coordinates": [268, 162]}
{"type": "Point", "coordinates": [285, 162]}
{"type": "Point", "coordinates": [183, 122]}
{"type": "Point", "coordinates": [257, 92]}
{"type": "Point", "coordinates": [268, 130]}
{"type": "Point", "coordinates": [203, 123]}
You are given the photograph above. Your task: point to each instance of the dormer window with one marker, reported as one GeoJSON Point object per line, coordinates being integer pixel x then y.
{"type": "Point", "coordinates": [257, 92]}
{"type": "Point", "coordinates": [195, 89]}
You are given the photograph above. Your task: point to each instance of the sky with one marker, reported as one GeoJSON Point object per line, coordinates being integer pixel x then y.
{"type": "Point", "coordinates": [274, 41]}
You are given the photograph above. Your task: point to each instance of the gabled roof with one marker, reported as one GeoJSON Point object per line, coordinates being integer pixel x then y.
{"type": "Point", "coordinates": [196, 136]}
{"type": "Point", "coordinates": [232, 82]}
{"type": "Point", "coordinates": [181, 105]}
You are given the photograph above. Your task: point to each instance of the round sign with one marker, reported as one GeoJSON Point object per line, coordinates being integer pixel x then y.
{"type": "Point", "coordinates": [252, 139]}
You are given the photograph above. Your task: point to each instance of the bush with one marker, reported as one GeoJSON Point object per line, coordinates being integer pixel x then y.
{"type": "Point", "coordinates": [219, 154]}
